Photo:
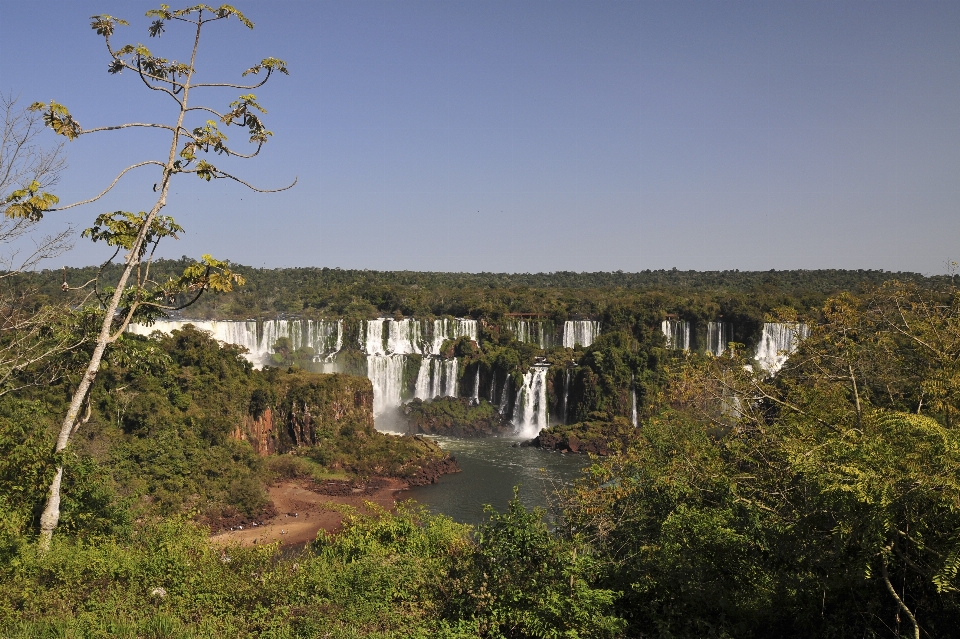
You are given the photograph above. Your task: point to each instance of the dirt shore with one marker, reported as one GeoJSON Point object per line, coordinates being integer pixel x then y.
{"type": "Point", "coordinates": [305, 507]}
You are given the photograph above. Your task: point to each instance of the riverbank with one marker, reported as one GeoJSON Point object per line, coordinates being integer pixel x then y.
{"type": "Point", "coordinates": [304, 507]}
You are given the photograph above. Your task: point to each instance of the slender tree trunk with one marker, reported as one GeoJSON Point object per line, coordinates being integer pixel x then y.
{"type": "Point", "coordinates": [51, 512]}
{"type": "Point", "coordinates": [856, 395]}
{"type": "Point", "coordinates": [903, 606]}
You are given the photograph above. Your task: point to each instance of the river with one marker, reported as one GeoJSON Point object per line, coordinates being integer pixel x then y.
{"type": "Point", "coordinates": [491, 468]}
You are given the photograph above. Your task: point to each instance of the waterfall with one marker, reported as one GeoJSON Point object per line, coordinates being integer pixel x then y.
{"type": "Point", "coordinates": [504, 397]}
{"type": "Point", "coordinates": [475, 399]}
{"type": "Point", "coordinates": [371, 340]}
{"type": "Point", "coordinates": [521, 330]}
{"type": "Point", "coordinates": [422, 390]}
{"type": "Point", "coordinates": [530, 409]}
{"type": "Point", "coordinates": [238, 333]}
{"type": "Point", "coordinates": [718, 337]}
{"type": "Point", "coordinates": [272, 330]}
{"type": "Point", "coordinates": [582, 332]}
{"type": "Point", "coordinates": [633, 401]}
{"type": "Point", "coordinates": [444, 329]}
{"type": "Point", "coordinates": [404, 336]}
{"type": "Point", "coordinates": [325, 337]}
{"type": "Point", "coordinates": [539, 332]}
{"type": "Point", "coordinates": [677, 333]}
{"type": "Point", "coordinates": [450, 377]}
{"type": "Point", "coordinates": [386, 375]}
{"type": "Point", "coordinates": [493, 387]}
{"type": "Point", "coordinates": [437, 377]}
{"type": "Point", "coordinates": [566, 392]}
{"type": "Point", "coordinates": [777, 342]}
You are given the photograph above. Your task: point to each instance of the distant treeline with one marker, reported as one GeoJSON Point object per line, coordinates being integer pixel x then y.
{"type": "Point", "coordinates": [334, 292]}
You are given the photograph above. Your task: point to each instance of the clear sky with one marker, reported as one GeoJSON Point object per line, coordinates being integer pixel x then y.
{"type": "Point", "coordinates": [539, 136]}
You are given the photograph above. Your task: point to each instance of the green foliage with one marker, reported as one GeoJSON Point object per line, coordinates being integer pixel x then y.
{"type": "Point", "coordinates": [285, 356]}
{"type": "Point", "coordinates": [121, 229]}
{"type": "Point", "coordinates": [523, 581]}
{"type": "Point", "coordinates": [455, 416]}
{"type": "Point", "coordinates": [90, 507]}
{"type": "Point", "coordinates": [57, 117]}
{"type": "Point", "coordinates": [384, 576]}
{"type": "Point", "coordinates": [782, 527]}
{"type": "Point", "coordinates": [29, 202]}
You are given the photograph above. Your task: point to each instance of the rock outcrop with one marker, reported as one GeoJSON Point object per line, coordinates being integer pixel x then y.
{"type": "Point", "coordinates": [598, 438]}
{"type": "Point", "coordinates": [454, 417]}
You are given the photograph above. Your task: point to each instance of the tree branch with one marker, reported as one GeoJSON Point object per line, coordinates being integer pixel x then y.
{"type": "Point", "coordinates": [235, 86]}
{"type": "Point", "coordinates": [127, 126]}
{"type": "Point", "coordinates": [223, 174]}
{"type": "Point", "coordinates": [112, 184]}
{"type": "Point", "coordinates": [203, 108]}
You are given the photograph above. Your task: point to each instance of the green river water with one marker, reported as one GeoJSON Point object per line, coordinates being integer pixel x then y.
{"type": "Point", "coordinates": [491, 467]}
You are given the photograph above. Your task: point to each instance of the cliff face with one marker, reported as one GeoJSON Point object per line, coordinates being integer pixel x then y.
{"type": "Point", "coordinates": [310, 403]}
{"type": "Point", "coordinates": [329, 419]}
{"type": "Point", "coordinates": [301, 405]}
{"type": "Point", "coordinates": [259, 432]}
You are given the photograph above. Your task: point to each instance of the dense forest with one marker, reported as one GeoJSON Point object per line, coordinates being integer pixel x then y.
{"type": "Point", "coordinates": [820, 501]}
{"type": "Point", "coordinates": [721, 498]}
{"type": "Point", "coordinates": [326, 292]}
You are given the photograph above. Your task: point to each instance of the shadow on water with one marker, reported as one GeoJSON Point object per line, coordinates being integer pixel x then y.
{"type": "Point", "coordinates": [491, 468]}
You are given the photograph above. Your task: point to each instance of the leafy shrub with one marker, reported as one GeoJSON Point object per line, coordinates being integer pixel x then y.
{"type": "Point", "coordinates": [524, 581]}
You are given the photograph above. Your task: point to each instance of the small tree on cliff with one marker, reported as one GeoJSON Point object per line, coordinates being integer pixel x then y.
{"type": "Point", "coordinates": [135, 295]}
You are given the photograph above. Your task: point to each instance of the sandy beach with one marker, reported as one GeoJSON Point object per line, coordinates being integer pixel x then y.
{"type": "Point", "coordinates": [304, 507]}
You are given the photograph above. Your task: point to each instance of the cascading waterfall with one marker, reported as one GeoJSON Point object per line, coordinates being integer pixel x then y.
{"type": "Point", "coordinates": [475, 398]}
{"type": "Point", "coordinates": [328, 338]}
{"type": "Point", "coordinates": [718, 337]}
{"type": "Point", "coordinates": [450, 367]}
{"type": "Point", "coordinates": [582, 332]}
{"type": "Point", "coordinates": [239, 333]}
{"type": "Point", "coordinates": [566, 392]}
{"type": "Point", "coordinates": [444, 329]}
{"type": "Point", "coordinates": [324, 337]}
{"type": "Point", "coordinates": [371, 340]}
{"type": "Point", "coordinates": [436, 378]}
{"type": "Point", "coordinates": [423, 388]}
{"type": "Point", "coordinates": [777, 342]}
{"type": "Point", "coordinates": [403, 337]}
{"type": "Point", "coordinates": [504, 397]}
{"type": "Point", "coordinates": [538, 332]}
{"type": "Point", "coordinates": [677, 333]}
{"type": "Point", "coordinates": [386, 374]}
{"type": "Point", "coordinates": [530, 409]}
{"type": "Point", "coordinates": [633, 401]}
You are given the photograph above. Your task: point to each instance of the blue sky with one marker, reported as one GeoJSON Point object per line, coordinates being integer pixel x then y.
{"type": "Point", "coordinates": [540, 136]}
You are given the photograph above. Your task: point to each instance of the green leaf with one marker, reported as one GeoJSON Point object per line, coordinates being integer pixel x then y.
{"type": "Point", "coordinates": [57, 117]}
{"type": "Point", "coordinates": [270, 64]}
{"type": "Point", "coordinates": [29, 203]}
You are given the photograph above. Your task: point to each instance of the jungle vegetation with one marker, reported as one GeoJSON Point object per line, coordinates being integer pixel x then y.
{"type": "Point", "coordinates": [823, 501]}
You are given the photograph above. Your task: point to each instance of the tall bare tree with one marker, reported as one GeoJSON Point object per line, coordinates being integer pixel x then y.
{"type": "Point", "coordinates": [135, 294]}
{"type": "Point", "coordinates": [27, 340]}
